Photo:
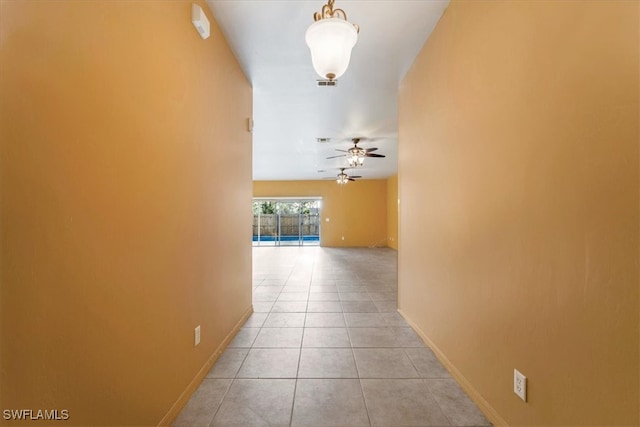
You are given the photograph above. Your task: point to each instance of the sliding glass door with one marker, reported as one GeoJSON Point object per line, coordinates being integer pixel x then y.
{"type": "Point", "coordinates": [286, 221]}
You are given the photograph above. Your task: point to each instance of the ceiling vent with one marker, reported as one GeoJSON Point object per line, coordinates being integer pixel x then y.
{"type": "Point", "coordinates": [322, 83]}
{"type": "Point", "coordinates": [322, 140]}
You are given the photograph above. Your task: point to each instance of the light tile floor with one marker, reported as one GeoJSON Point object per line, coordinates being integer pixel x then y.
{"type": "Point", "coordinates": [326, 347]}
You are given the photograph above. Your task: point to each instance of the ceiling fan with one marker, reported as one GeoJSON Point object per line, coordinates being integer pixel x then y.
{"type": "Point", "coordinates": [355, 155]}
{"type": "Point", "coordinates": [343, 178]}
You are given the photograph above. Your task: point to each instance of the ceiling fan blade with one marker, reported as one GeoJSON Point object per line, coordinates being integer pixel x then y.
{"type": "Point", "coordinates": [335, 157]}
{"type": "Point", "coordinates": [368, 150]}
{"type": "Point", "coordinates": [344, 151]}
{"type": "Point", "coordinates": [375, 155]}
{"type": "Point", "coordinates": [355, 176]}
{"type": "Point", "coordinates": [351, 179]}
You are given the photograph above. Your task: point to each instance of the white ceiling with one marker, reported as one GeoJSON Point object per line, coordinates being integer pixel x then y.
{"type": "Point", "coordinates": [290, 111]}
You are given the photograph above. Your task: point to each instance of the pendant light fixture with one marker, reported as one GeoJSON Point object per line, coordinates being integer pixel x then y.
{"type": "Point", "coordinates": [331, 38]}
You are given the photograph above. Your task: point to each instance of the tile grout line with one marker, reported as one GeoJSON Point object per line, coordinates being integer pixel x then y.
{"type": "Point", "coordinates": [366, 407]}
{"type": "Point", "coordinates": [224, 396]}
{"type": "Point", "coordinates": [295, 386]}
{"type": "Point", "coordinates": [424, 381]}
{"type": "Point", "coordinates": [353, 355]}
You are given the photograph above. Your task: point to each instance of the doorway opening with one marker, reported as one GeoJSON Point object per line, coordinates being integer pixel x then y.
{"type": "Point", "coordinates": [286, 221]}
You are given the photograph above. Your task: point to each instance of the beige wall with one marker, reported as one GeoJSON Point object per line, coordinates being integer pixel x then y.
{"type": "Point", "coordinates": [392, 212]}
{"type": "Point", "coordinates": [357, 210]}
{"type": "Point", "coordinates": [519, 217]}
{"type": "Point", "coordinates": [125, 177]}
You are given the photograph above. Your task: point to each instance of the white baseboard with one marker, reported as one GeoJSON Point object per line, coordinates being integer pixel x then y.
{"type": "Point", "coordinates": [172, 414]}
{"type": "Point", "coordinates": [476, 397]}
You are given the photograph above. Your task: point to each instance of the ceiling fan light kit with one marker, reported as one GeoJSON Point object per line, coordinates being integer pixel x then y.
{"type": "Point", "coordinates": [356, 155]}
{"type": "Point", "coordinates": [343, 178]}
{"type": "Point", "coordinates": [330, 39]}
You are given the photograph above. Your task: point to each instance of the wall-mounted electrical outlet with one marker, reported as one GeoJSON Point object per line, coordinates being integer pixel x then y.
{"type": "Point", "coordinates": [196, 336]}
{"type": "Point", "coordinates": [520, 385]}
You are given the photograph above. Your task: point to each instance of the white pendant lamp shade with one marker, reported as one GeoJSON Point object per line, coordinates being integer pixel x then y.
{"type": "Point", "coordinates": [331, 41]}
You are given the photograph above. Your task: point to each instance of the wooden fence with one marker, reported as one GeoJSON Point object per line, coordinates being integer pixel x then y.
{"type": "Point", "coordinates": [286, 224]}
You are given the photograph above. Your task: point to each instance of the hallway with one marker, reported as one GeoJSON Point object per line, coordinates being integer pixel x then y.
{"type": "Point", "coordinates": [326, 347]}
